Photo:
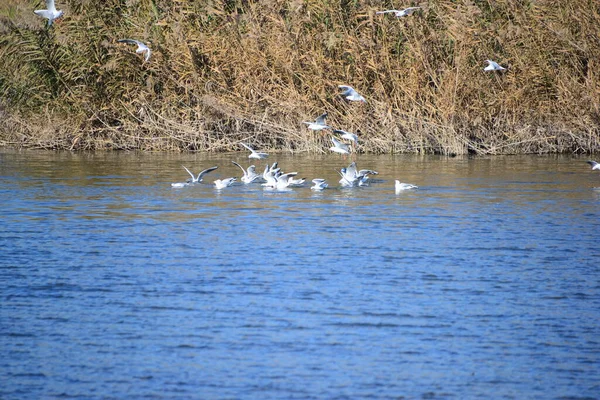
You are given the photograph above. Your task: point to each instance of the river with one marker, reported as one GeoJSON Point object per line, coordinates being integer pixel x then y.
{"type": "Point", "coordinates": [482, 283]}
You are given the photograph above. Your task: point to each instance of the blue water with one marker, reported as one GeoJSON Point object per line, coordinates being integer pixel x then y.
{"type": "Point", "coordinates": [483, 283]}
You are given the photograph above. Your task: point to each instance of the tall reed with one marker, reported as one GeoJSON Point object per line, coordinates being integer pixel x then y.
{"type": "Point", "coordinates": [248, 70]}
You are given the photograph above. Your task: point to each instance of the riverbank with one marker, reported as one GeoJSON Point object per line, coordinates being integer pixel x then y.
{"type": "Point", "coordinates": [254, 71]}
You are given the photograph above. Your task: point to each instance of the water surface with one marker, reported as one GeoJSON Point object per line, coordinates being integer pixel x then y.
{"type": "Point", "coordinates": [484, 283]}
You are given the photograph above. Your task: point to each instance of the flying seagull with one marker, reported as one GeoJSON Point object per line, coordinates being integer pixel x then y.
{"type": "Point", "coordinates": [51, 13]}
{"type": "Point", "coordinates": [339, 147]}
{"type": "Point", "coordinates": [493, 66]}
{"type": "Point", "coordinates": [319, 123]}
{"type": "Point", "coordinates": [594, 165]}
{"type": "Point", "coordinates": [141, 47]}
{"type": "Point", "coordinates": [254, 153]}
{"type": "Point", "coordinates": [400, 13]}
{"type": "Point", "coordinates": [350, 94]}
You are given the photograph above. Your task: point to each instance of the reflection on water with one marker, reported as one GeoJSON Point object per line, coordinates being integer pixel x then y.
{"type": "Point", "coordinates": [482, 283]}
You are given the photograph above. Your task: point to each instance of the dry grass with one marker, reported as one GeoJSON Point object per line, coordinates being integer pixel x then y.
{"type": "Point", "coordinates": [225, 71]}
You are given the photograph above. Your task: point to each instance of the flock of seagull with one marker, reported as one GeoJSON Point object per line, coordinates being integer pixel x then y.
{"type": "Point", "coordinates": [273, 177]}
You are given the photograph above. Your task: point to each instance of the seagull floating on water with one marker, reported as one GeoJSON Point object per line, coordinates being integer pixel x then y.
{"type": "Point", "coordinates": [141, 47]}
{"type": "Point", "coordinates": [351, 94]}
{"type": "Point", "coordinates": [351, 177]}
{"type": "Point", "coordinates": [194, 179]}
{"type": "Point", "coordinates": [400, 13]}
{"type": "Point", "coordinates": [254, 153]}
{"type": "Point", "coordinates": [51, 13]}
{"type": "Point", "coordinates": [339, 147]}
{"type": "Point", "coordinates": [404, 186]}
{"type": "Point", "coordinates": [493, 66]}
{"type": "Point", "coordinates": [594, 165]}
{"type": "Point", "coordinates": [319, 184]}
{"type": "Point", "coordinates": [250, 174]}
{"type": "Point", "coordinates": [319, 123]}
{"type": "Point", "coordinates": [223, 183]}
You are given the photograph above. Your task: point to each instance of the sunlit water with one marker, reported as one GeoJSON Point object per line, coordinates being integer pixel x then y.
{"type": "Point", "coordinates": [484, 283]}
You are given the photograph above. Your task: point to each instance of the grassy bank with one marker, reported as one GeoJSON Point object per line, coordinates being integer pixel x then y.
{"type": "Point", "coordinates": [228, 71]}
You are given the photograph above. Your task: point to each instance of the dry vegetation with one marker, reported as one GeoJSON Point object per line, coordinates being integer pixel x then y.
{"type": "Point", "coordinates": [225, 71]}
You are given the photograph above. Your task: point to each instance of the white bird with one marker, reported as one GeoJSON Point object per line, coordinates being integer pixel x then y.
{"type": "Point", "coordinates": [279, 181]}
{"type": "Point", "coordinates": [223, 183]}
{"type": "Point", "coordinates": [339, 147]}
{"type": "Point", "coordinates": [351, 177]}
{"type": "Point", "coordinates": [296, 182]}
{"type": "Point", "coordinates": [254, 153]}
{"type": "Point", "coordinates": [319, 123]}
{"type": "Point", "coordinates": [351, 94]}
{"type": "Point", "coordinates": [493, 66]}
{"type": "Point", "coordinates": [594, 165]}
{"type": "Point", "coordinates": [319, 184]}
{"type": "Point", "coordinates": [347, 135]}
{"type": "Point", "coordinates": [404, 186]}
{"type": "Point", "coordinates": [51, 13]}
{"type": "Point", "coordinates": [200, 175]}
{"type": "Point", "coordinates": [141, 47]}
{"type": "Point", "coordinates": [400, 13]}
{"type": "Point", "coordinates": [194, 179]}
{"type": "Point", "coordinates": [250, 174]}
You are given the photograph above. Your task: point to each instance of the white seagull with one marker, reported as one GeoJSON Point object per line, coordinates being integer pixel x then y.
{"type": "Point", "coordinates": [493, 66]}
{"type": "Point", "coordinates": [223, 183]}
{"type": "Point", "coordinates": [51, 13]}
{"type": "Point", "coordinates": [141, 47]}
{"type": "Point", "coordinates": [319, 123]}
{"type": "Point", "coordinates": [250, 174]}
{"type": "Point", "coordinates": [350, 94]}
{"type": "Point", "coordinates": [339, 147]}
{"type": "Point", "coordinates": [347, 135]}
{"type": "Point", "coordinates": [400, 13]}
{"type": "Point", "coordinates": [351, 177]}
{"type": "Point", "coordinates": [254, 153]}
{"type": "Point", "coordinates": [594, 165]}
{"type": "Point", "coordinates": [194, 178]}
{"type": "Point", "coordinates": [404, 186]}
{"type": "Point", "coordinates": [319, 184]}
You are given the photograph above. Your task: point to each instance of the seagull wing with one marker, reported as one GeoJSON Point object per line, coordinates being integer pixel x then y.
{"type": "Point", "coordinates": [321, 119]}
{"type": "Point", "coordinates": [130, 41]}
{"type": "Point", "coordinates": [386, 11]}
{"type": "Point", "coordinates": [189, 172]}
{"type": "Point", "coordinates": [240, 167]}
{"type": "Point", "coordinates": [248, 147]}
{"type": "Point", "coordinates": [44, 14]}
{"type": "Point", "coordinates": [50, 5]}
{"type": "Point", "coordinates": [206, 171]}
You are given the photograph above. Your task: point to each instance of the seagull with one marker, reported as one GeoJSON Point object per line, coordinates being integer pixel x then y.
{"type": "Point", "coordinates": [296, 182]}
{"type": "Point", "coordinates": [319, 184]}
{"type": "Point", "coordinates": [255, 154]}
{"type": "Point", "coordinates": [318, 124]}
{"type": "Point", "coordinates": [594, 165]}
{"type": "Point", "coordinates": [51, 13]}
{"type": "Point", "coordinates": [493, 66]}
{"type": "Point", "coordinates": [347, 135]}
{"type": "Point", "coordinates": [351, 177]}
{"type": "Point", "coordinates": [339, 147]}
{"type": "Point", "coordinates": [250, 174]}
{"type": "Point", "coordinates": [222, 184]}
{"type": "Point", "coordinates": [351, 94]}
{"type": "Point", "coordinates": [194, 178]}
{"type": "Point", "coordinates": [404, 186]}
{"type": "Point", "coordinates": [200, 175]}
{"type": "Point", "coordinates": [400, 13]}
{"type": "Point", "coordinates": [141, 47]}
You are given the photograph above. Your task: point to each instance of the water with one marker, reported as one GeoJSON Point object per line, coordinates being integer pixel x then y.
{"type": "Point", "coordinates": [484, 283]}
